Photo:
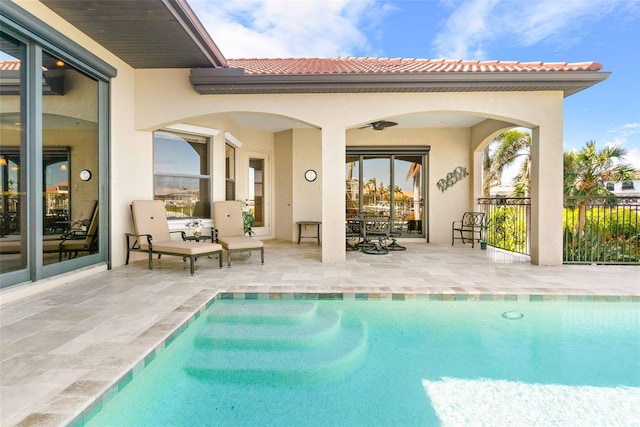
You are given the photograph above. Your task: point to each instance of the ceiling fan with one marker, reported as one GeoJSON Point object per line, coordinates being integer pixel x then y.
{"type": "Point", "coordinates": [379, 125]}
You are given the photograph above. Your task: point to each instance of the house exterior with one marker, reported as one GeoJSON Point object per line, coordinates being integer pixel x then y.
{"type": "Point", "coordinates": [140, 103]}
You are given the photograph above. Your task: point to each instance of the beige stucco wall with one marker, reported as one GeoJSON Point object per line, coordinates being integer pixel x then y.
{"type": "Point", "coordinates": [307, 196]}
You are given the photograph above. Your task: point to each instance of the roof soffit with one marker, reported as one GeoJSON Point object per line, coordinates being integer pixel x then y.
{"type": "Point", "coordinates": [233, 81]}
{"type": "Point", "coordinates": [144, 33]}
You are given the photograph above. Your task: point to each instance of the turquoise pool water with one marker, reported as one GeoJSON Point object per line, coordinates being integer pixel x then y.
{"type": "Point", "coordinates": [392, 363]}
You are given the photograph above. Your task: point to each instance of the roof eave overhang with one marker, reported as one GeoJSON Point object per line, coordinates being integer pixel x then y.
{"type": "Point", "coordinates": [183, 13]}
{"type": "Point", "coordinates": [234, 81]}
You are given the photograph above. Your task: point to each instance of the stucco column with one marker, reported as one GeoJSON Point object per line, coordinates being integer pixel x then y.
{"type": "Point", "coordinates": [478, 163]}
{"type": "Point", "coordinates": [218, 160]}
{"type": "Point", "coordinates": [333, 202]}
{"type": "Point", "coordinates": [547, 193]}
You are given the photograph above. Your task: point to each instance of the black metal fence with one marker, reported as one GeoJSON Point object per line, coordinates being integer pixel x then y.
{"type": "Point", "coordinates": [596, 230]}
{"type": "Point", "coordinates": [601, 230]}
{"type": "Point", "coordinates": [507, 222]}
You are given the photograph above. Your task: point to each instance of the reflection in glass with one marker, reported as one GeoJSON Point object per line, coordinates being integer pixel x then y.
{"type": "Point", "coordinates": [70, 144]}
{"type": "Point", "coordinates": [230, 172]}
{"type": "Point", "coordinates": [181, 195]}
{"type": "Point", "coordinates": [256, 190]}
{"type": "Point", "coordinates": [376, 185]}
{"type": "Point", "coordinates": [13, 235]}
{"type": "Point", "coordinates": [390, 185]}
{"type": "Point", "coordinates": [352, 181]}
{"type": "Point", "coordinates": [181, 174]}
{"type": "Point", "coordinates": [408, 200]}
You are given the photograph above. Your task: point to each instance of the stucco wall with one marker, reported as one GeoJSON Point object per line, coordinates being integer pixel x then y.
{"type": "Point", "coordinates": [283, 185]}
{"type": "Point", "coordinates": [307, 196]}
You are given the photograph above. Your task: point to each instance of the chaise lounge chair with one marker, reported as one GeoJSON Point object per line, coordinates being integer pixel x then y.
{"type": "Point", "coordinates": [227, 219]}
{"type": "Point", "coordinates": [81, 237]}
{"type": "Point", "coordinates": [152, 236]}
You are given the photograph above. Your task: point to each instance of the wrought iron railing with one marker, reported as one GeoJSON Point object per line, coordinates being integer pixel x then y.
{"type": "Point", "coordinates": [601, 230]}
{"type": "Point", "coordinates": [507, 222]}
{"type": "Point", "coordinates": [596, 230]}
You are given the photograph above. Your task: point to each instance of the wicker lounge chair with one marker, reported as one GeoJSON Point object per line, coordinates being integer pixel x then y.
{"type": "Point", "coordinates": [152, 236]}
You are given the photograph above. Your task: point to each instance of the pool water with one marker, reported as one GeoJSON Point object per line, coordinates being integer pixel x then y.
{"type": "Point", "coordinates": [392, 363]}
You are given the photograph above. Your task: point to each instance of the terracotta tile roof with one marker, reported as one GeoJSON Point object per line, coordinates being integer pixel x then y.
{"type": "Point", "coordinates": [9, 65]}
{"type": "Point", "coordinates": [349, 65]}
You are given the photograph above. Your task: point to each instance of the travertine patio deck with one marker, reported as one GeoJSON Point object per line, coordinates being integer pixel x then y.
{"type": "Point", "coordinates": [63, 348]}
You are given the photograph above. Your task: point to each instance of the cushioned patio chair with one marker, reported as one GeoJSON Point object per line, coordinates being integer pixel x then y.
{"type": "Point", "coordinates": [81, 237]}
{"type": "Point", "coordinates": [469, 228]}
{"type": "Point", "coordinates": [227, 220]}
{"type": "Point", "coordinates": [152, 236]}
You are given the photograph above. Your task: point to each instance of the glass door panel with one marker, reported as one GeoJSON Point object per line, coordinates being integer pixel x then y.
{"type": "Point", "coordinates": [408, 203]}
{"type": "Point", "coordinates": [376, 185]}
{"type": "Point", "coordinates": [13, 184]}
{"type": "Point", "coordinates": [388, 184]}
{"type": "Point", "coordinates": [70, 178]}
{"type": "Point", "coordinates": [352, 185]}
{"type": "Point", "coordinates": [256, 190]}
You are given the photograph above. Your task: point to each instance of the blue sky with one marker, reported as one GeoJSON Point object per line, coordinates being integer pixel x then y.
{"type": "Point", "coordinates": [605, 31]}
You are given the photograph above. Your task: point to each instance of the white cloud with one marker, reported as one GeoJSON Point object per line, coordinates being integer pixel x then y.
{"type": "Point", "coordinates": [627, 135]}
{"type": "Point", "coordinates": [288, 28]}
{"type": "Point", "coordinates": [474, 25]}
{"type": "Point", "coordinates": [633, 158]}
{"type": "Point", "coordinates": [626, 130]}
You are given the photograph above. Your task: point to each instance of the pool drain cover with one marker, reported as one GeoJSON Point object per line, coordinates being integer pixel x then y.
{"type": "Point", "coordinates": [512, 315]}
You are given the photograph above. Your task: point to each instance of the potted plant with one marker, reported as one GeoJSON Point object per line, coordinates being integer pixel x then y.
{"type": "Point", "coordinates": [484, 227]}
{"type": "Point", "coordinates": [248, 220]}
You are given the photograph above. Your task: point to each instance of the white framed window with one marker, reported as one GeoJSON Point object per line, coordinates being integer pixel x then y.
{"type": "Point", "coordinates": [182, 175]}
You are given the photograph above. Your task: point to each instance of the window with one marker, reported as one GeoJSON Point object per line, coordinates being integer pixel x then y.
{"type": "Point", "coordinates": [230, 172]}
{"type": "Point", "coordinates": [609, 186]}
{"type": "Point", "coordinates": [627, 185]}
{"type": "Point", "coordinates": [181, 174]}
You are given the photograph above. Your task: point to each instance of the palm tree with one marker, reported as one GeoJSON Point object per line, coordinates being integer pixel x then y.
{"type": "Point", "coordinates": [371, 187]}
{"type": "Point", "coordinates": [414, 175]}
{"type": "Point", "coordinates": [508, 148]}
{"type": "Point", "coordinates": [587, 170]}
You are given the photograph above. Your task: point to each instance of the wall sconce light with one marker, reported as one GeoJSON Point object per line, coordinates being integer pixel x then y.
{"type": "Point", "coordinates": [60, 63]}
{"type": "Point", "coordinates": [3, 161]}
{"type": "Point", "coordinates": [63, 167]}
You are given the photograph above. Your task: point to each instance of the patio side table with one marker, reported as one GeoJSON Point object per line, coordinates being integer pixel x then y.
{"type": "Point", "coordinates": [305, 223]}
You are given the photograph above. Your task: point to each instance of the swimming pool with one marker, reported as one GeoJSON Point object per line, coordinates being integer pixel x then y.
{"type": "Point", "coordinates": [381, 363]}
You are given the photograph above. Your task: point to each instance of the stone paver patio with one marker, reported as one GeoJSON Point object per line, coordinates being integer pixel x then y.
{"type": "Point", "coordinates": [63, 348]}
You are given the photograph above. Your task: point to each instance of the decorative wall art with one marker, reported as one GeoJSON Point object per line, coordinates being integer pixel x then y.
{"type": "Point", "coordinates": [452, 178]}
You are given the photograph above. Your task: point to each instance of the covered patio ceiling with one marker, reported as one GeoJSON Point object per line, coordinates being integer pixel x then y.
{"type": "Point", "coordinates": [274, 123]}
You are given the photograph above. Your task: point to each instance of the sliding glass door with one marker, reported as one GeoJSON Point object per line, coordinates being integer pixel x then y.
{"type": "Point", "coordinates": [54, 99]}
{"type": "Point", "coordinates": [389, 182]}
